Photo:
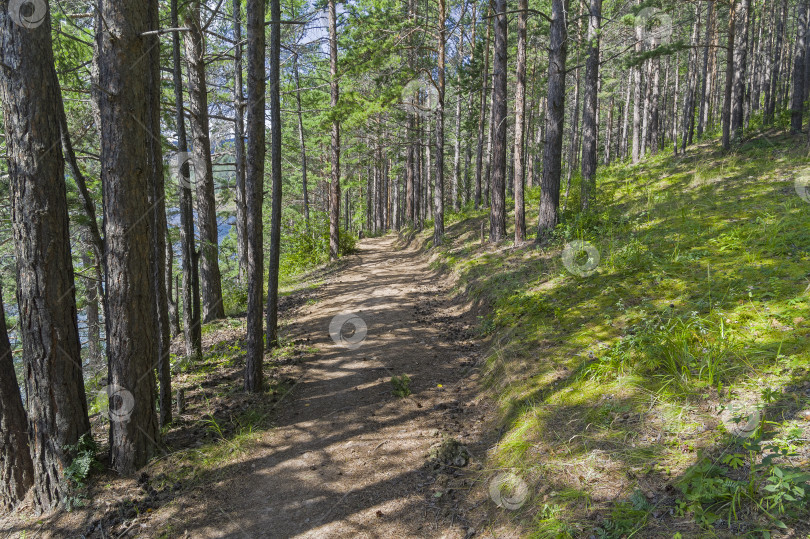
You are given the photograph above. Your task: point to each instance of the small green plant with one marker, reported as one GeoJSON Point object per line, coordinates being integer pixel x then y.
{"type": "Point", "coordinates": [76, 474]}
{"type": "Point", "coordinates": [626, 518]}
{"type": "Point", "coordinates": [751, 479]}
{"type": "Point", "coordinates": [401, 385]}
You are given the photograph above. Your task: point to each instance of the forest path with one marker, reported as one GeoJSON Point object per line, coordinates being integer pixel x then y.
{"type": "Point", "coordinates": [346, 456]}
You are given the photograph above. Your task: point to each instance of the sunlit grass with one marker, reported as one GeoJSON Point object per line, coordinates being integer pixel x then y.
{"type": "Point", "coordinates": [701, 295]}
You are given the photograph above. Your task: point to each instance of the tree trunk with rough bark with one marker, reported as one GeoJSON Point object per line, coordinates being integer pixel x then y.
{"type": "Point", "coordinates": [497, 225]}
{"type": "Point", "coordinates": [210, 279]}
{"type": "Point", "coordinates": [56, 405]}
{"type": "Point", "coordinates": [334, 143]}
{"type": "Point", "coordinates": [192, 329]}
{"type": "Point", "coordinates": [520, 123]}
{"type": "Point", "coordinates": [479, 163]}
{"type": "Point", "coordinates": [254, 192]}
{"type": "Point", "coordinates": [125, 106]}
{"type": "Point", "coordinates": [239, 144]}
{"type": "Point", "coordinates": [275, 174]}
{"type": "Point", "coordinates": [16, 467]}
{"type": "Point", "coordinates": [589, 120]}
{"type": "Point", "coordinates": [797, 103]}
{"type": "Point", "coordinates": [555, 113]}
{"type": "Point", "coordinates": [729, 76]}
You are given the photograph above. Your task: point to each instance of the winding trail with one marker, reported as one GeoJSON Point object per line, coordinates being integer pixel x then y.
{"type": "Point", "coordinates": [346, 456]}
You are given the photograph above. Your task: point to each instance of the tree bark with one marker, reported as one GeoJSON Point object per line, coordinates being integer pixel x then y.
{"type": "Point", "coordinates": [637, 88]}
{"type": "Point", "coordinates": [334, 144]}
{"type": "Point", "coordinates": [275, 174]}
{"type": "Point", "coordinates": [776, 65]}
{"type": "Point", "coordinates": [157, 205]}
{"type": "Point", "coordinates": [192, 330]}
{"type": "Point", "coordinates": [125, 103]}
{"type": "Point", "coordinates": [797, 103]}
{"type": "Point", "coordinates": [742, 18]}
{"type": "Point", "coordinates": [520, 123]}
{"type": "Point", "coordinates": [497, 226]}
{"type": "Point", "coordinates": [210, 279]}
{"type": "Point", "coordinates": [705, 70]}
{"type": "Point", "coordinates": [239, 143]}
{"type": "Point", "coordinates": [555, 113]}
{"type": "Point", "coordinates": [729, 75]}
{"type": "Point", "coordinates": [254, 192]}
{"type": "Point", "coordinates": [56, 405]}
{"type": "Point", "coordinates": [482, 114]}
{"type": "Point", "coordinates": [438, 191]}
{"type": "Point", "coordinates": [589, 121]}
{"type": "Point", "coordinates": [16, 467]}
{"type": "Point", "coordinates": [691, 91]}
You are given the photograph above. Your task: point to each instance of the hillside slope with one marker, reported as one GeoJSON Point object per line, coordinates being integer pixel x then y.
{"type": "Point", "coordinates": [658, 381]}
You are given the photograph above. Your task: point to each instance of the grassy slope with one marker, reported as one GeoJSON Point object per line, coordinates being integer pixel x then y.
{"type": "Point", "coordinates": [611, 385]}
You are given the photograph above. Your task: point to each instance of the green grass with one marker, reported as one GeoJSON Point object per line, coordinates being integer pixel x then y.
{"type": "Point", "coordinates": [700, 297]}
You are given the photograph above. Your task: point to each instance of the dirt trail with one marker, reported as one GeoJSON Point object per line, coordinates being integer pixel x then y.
{"type": "Point", "coordinates": [346, 457]}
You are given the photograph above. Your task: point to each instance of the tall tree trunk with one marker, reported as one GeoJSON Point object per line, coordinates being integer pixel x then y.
{"type": "Point", "coordinates": [645, 111]}
{"type": "Point", "coordinates": [92, 296]}
{"type": "Point", "coordinates": [125, 103]}
{"type": "Point", "coordinates": [654, 105]}
{"type": "Point", "coordinates": [275, 174]}
{"type": "Point", "coordinates": [637, 89]}
{"type": "Point", "coordinates": [239, 143]}
{"type": "Point", "coordinates": [254, 192]}
{"type": "Point", "coordinates": [454, 191]}
{"type": "Point", "coordinates": [589, 121]}
{"type": "Point", "coordinates": [56, 405]}
{"type": "Point", "coordinates": [675, 105]}
{"type": "Point", "coordinates": [705, 70]}
{"type": "Point", "coordinates": [334, 144]}
{"type": "Point", "coordinates": [438, 192]}
{"type": "Point", "coordinates": [174, 315]}
{"type": "Point", "coordinates": [497, 227]}
{"type": "Point", "coordinates": [192, 330]}
{"type": "Point", "coordinates": [520, 123]}
{"type": "Point", "coordinates": [797, 104]}
{"type": "Point", "coordinates": [729, 75]}
{"type": "Point", "coordinates": [742, 18]}
{"type": "Point", "coordinates": [609, 132]}
{"type": "Point", "coordinates": [776, 66]}
{"type": "Point", "coordinates": [626, 115]}
{"type": "Point", "coordinates": [482, 114]}
{"type": "Point", "coordinates": [767, 65]}
{"type": "Point", "coordinates": [417, 180]}
{"type": "Point", "coordinates": [157, 206]}
{"type": "Point", "coordinates": [210, 280]}
{"type": "Point", "coordinates": [16, 467]}
{"type": "Point", "coordinates": [301, 140]}
{"type": "Point", "coordinates": [555, 114]}
{"type": "Point", "coordinates": [691, 91]}
{"type": "Point", "coordinates": [572, 142]}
